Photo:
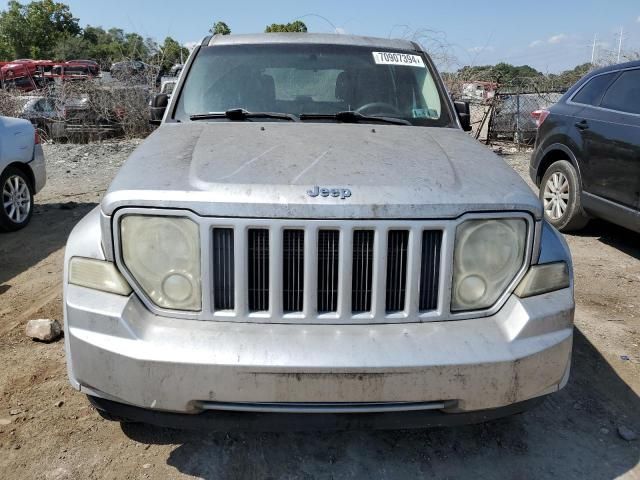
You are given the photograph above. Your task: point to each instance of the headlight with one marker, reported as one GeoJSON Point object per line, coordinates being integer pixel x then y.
{"type": "Point", "coordinates": [163, 256]}
{"type": "Point", "coordinates": [488, 255]}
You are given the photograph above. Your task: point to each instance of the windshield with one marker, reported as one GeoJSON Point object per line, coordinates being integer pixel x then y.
{"type": "Point", "coordinates": [313, 80]}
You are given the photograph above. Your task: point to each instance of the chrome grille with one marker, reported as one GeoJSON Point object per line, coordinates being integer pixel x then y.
{"type": "Point", "coordinates": [258, 269]}
{"type": "Point", "coordinates": [430, 270]}
{"type": "Point", "coordinates": [328, 261]}
{"type": "Point", "coordinates": [292, 270]}
{"type": "Point", "coordinates": [397, 243]}
{"type": "Point", "coordinates": [223, 269]}
{"type": "Point", "coordinates": [362, 272]}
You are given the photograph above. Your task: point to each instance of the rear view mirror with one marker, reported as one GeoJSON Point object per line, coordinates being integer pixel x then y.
{"type": "Point", "coordinates": [157, 107]}
{"type": "Point", "coordinates": [464, 114]}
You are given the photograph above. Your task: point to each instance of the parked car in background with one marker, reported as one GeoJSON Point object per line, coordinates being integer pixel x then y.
{"type": "Point", "coordinates": [74, 70]}
{"type": "Point", "coordinates": [311, 238]}
{"type": "Point", "coordinates": [167, 85]}
{"type": "Point", "coordinates": [92, 66]}
{"type": "Point", "coordinates": [587, 155]}
{"type": "Point", "coordinates": [41, 111]}
{"type": "Point", "coordinates": [176, 70]}
{"type": "Point", "coordinates": [132, 71]}
{"type": "Point", "coordinates": [22, 172]}
{"type": "Point", "coordinates": [26, 75]}
{"type": "Point", "coordinates": [512, 117]}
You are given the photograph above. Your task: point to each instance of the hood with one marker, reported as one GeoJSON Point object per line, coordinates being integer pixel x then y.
{"type": "Point", "coordinates": [265, 169]}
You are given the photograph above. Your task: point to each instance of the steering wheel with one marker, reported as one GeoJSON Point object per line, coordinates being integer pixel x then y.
{"type": "Point", "coordinates": [380, 107]}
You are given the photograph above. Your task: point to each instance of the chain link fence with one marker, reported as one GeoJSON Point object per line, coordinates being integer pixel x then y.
{"type": "Point", "coordinates": [502, 111]}
{"type": "Point", "coordinates": [511, 115]}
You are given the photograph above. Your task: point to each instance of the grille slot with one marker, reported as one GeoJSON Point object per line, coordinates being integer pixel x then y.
{"type": "Point", "coordinates": [397, 242]}
{"type": "Point", "coordinates": [223, 268]}
{"type": "Point", "coordinates": [292, 270]}
{"type": "Point", "coordinates": [362, 271]}
{"type": "Point", "coordinates": [430, 270]}
{"type": "Point", "coordinates": [258, 263]}
{"type": "Point", "coordinates": [328, 257]}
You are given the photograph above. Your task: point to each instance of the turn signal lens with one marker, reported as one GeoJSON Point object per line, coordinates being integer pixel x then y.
{"type": "Point", "coordinates": [97, 274]}
{"type": "Point", "coordinates": [544, 278]}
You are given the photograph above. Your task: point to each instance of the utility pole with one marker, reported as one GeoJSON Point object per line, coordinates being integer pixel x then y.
{"type": "Point", "coordinates": [620, 43]}
{"type": "Point", "coordinates": [593, 49]}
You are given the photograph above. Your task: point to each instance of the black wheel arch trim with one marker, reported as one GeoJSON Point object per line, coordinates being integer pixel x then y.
{"type": "Point", "coordinates": [25, 168]}
{"type": "Point", "coordinates": [564, 149]}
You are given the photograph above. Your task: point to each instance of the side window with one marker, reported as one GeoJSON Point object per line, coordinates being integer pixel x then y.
{"type": "Point", "coordinates": [624, 94]}
{"type": "Point", "coordinates": [591, 93]}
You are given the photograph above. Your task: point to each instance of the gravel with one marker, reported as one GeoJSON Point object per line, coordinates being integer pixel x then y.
{"type": "Point", "coordinates": [78, 171]}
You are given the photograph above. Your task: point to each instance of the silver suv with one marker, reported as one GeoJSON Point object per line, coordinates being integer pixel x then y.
{"type": "Point", "coordinates": [311, 240]}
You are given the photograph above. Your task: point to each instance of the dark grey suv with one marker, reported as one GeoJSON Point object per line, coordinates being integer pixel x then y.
{"type": "Point", "coordinates": [587, 155]}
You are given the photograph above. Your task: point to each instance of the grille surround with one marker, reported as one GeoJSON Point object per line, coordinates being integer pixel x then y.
{"type": "Point", "coordinates": [310, 316]}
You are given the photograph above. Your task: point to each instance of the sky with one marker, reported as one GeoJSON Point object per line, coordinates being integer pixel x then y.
{"type": "Point", "coordinates": [551, 36]}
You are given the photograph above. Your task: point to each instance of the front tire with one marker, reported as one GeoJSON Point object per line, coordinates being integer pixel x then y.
{"type": "Point", "coordinates": [560, 193]}
{"type": "Point", "coordinates": [16, 200]}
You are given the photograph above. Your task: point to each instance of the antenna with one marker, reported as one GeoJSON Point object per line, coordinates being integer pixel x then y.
{"type": "Point", "coordinates": [620, 43]}
{"type": "Point", "coordinates": [335, 29]}
{"type": "Point", "coordinates": [593, 49]}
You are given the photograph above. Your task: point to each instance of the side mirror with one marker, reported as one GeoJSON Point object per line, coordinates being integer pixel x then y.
{"type": "Point", "coordinates": [464, 114]}
{"type": "Point", "coordinates": [157, 107]}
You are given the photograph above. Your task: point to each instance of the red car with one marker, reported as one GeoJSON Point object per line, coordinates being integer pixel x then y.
{"type": "Point", "coordinates": [92, 66]}
{"type": "Point", "coordinates": [25, 75]}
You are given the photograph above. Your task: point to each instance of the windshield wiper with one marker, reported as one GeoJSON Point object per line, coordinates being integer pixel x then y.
{"type": "Point", "coordinates": [351, 116]}
{"type": "Point", "coordinates": [240, 114]}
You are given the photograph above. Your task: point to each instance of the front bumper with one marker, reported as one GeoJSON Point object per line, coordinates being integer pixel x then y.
{"type": "Point", "coordinates": [39, 169]}
{"type": "Point", "coordinates": [119, 351]}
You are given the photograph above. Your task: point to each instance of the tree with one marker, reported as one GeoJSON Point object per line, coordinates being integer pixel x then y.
{"type": "Point", "coordinates": [34, 29]}
{"type": "Point", "coordinates": [296, 26]}
{"type": "Point", "coordinates": [569, 77]}
{"type": "Point", "coordinates": [6, 52]}
{"type": "Point", "coordinates": [170, 53]}
{"type": "Point", "coordinates": [69, 47]}
{"type": "Point", "coordinates": [501, 72]}
{"type": "Point", "coordinates": [220, 28]}
{"type": "Point", "coordinates": [14, 31]}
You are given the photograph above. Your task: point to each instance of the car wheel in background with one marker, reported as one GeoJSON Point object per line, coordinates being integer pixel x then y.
{"type": "Point", "coordinates": [16, 200]}
{"type": "Point", "coordinates": [560, 194]}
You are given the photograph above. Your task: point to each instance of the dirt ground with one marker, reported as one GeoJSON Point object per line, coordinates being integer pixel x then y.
{"type": "Point", "coordinates": [574, 434]}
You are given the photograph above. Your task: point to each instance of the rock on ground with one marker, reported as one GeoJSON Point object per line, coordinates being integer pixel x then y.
{"type": "Point", "coordinates": [627, 434]}
{"type": "Point", "coordinates": [44, 329]}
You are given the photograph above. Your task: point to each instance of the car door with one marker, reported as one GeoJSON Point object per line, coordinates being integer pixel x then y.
{"type": "Point", "coordinates": [611, 139]}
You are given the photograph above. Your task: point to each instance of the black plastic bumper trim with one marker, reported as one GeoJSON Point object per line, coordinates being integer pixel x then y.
{"type": "Point", "coordinates": [228, 421]}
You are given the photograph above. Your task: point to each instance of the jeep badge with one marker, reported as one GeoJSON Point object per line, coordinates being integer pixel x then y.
{"type": "Point", "coordinates": [342, 193]}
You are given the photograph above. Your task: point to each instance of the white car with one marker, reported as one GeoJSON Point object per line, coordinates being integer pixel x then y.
{"type": "Point", "coordinates": [22, 172]}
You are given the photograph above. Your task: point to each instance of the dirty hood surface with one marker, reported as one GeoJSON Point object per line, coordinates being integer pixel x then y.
{"type": "Point", "coordinates": [265, 169]}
